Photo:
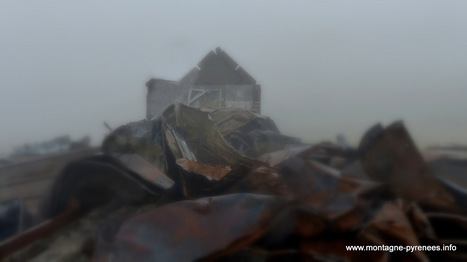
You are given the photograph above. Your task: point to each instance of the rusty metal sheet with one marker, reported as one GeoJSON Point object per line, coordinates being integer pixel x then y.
{"type": "Point", "coordinates": [390, 225]}
{"type": "Point", "coordinates": [261, 180]}
{"type": "Point", "coordinates": [190, 230]}
{"type": "Point", "coordinates": [390, 156]}
{"type": "Point", "coordinates": [210, 172]}
{"type": "Point", "coordinates": [329, 212]}
{"type": "Point", "coordinates": [326, 193]}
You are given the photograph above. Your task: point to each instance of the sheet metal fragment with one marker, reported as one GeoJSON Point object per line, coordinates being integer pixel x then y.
{"type": "Point", "coordinates": [390, 156]}
{"type": "Point", "coordinates": [147, 171]}
{"type": "Point", "coordinates": [189, 230]}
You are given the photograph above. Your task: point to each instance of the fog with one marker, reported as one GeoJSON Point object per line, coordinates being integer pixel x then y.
{"type": "Point", "coordinates": [325, 67]}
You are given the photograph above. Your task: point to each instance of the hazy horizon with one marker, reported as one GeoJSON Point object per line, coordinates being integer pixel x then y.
{"type": "Point", "coordinates": [325, 68]}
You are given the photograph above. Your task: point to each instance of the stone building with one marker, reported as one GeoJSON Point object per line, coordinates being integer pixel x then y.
{"type": "Point", "coordinates": [216, 82]}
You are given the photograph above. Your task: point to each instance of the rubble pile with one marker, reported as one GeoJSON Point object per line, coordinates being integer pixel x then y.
{"type": "Point", "coordinates": [226, 185]}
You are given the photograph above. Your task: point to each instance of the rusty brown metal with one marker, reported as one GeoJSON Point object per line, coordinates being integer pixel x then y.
{"type": "Point", "coordinates": [392, 157]}
{"type": "Point", "coordinates": [190, 230]}
{"type": "Point", "coordinates": [261, 180]}
{"type": "Point", "coordinates": [210, 172]}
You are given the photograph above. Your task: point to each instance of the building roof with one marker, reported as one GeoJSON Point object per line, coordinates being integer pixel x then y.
{"type": "Point", "coordinates": [218, 68]}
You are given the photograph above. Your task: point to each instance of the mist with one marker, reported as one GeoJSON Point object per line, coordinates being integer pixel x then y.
{"type": "Point", "coordinates": [325, 68]}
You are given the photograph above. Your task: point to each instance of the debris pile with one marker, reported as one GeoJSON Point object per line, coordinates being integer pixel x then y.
{"type": "Point", "coordinates": [226, 185]}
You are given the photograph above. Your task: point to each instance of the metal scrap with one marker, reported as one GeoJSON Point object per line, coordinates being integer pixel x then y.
{"type": "Point", "coordinates": [210, 172]}
{"type": "Point", "coordinates": [390, 156]}
{"type": "Point", "coordinates": [190, 230]}
{"type": "Point", "coordinates": [147, 171]}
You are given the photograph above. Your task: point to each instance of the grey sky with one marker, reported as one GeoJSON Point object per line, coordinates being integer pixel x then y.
{"type": "Point", "coordinates": [326, 67]}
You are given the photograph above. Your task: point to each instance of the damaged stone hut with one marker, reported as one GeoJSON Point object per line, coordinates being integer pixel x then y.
{"type": "Point", "coordinates": [217, 81]}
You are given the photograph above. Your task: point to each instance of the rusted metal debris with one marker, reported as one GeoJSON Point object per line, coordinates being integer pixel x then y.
{"type": "Point", "coordinates": [157, 235]}
{"type": "Point", "coordinates": [392, 158]}
{"type": "Point", "coordinates": [225, 185]}
{"type": "Point", "coordinates": [210, 172]}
